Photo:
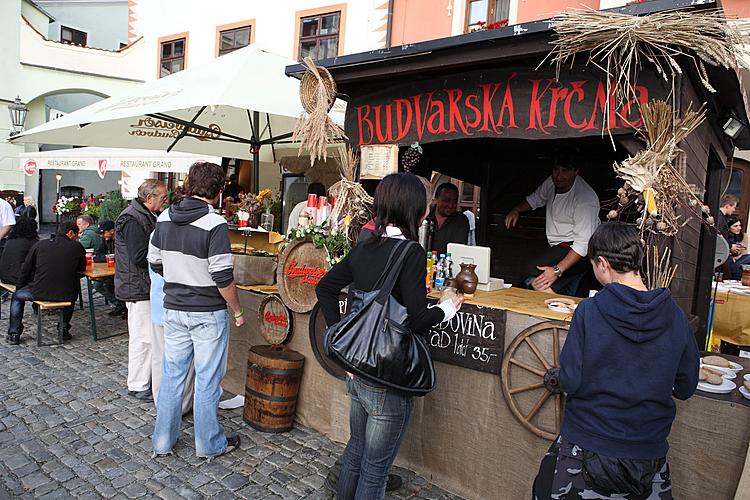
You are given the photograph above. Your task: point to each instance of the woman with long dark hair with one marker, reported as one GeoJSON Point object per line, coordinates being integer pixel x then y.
{"type": "Point", "coordinates": [628, 353]}
{"type": "Point", "coordinates": [379, 415]}
{"type": "Point", "coordinates": [22, 237]}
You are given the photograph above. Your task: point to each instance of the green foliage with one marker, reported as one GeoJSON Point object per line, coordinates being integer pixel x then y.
{"type": "Point", "coordinates": [112, 204]}
{"type": "Point", "coordinates": [334, 240]}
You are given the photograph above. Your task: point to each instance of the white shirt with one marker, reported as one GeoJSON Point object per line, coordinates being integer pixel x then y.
{"type": "Point", "coordinates": [571, 216]}
{"type": "Point", "coordinates": [294, 216]}
{"type": "Point", "coordinates": [7, 217]}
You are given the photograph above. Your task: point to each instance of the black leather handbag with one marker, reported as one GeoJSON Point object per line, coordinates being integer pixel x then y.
{"type": "Point", "coordinates": [374, 341]}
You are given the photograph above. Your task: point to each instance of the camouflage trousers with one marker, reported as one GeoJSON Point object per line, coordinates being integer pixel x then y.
{"type": "Point", "coordinates": [562, 477]}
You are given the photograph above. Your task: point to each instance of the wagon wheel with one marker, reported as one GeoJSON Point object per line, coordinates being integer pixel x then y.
{"type": "Point", "coordinates": [525, 361]}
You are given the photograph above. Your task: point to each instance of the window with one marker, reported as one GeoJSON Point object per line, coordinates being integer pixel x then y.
{"type": "Point", "coordinates": [230, 40]}
{"type": "Point", "coordinates": [319, 36]}
{"type": "Point", "coordinates": [172, 57]}
{"type": "Point", "coordinates": [69, 35]}
{"type": "Point", "coordinates": [483, 12]}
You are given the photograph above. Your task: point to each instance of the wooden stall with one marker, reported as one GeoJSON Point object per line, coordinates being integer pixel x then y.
{"type": "Point", "coordinates": [488, 111]}
{"type": "Point", "coordinates": [464, 436]}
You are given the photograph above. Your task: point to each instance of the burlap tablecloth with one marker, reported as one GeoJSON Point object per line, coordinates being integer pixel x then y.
{"type": "Point", "coordinates": [463, 437]}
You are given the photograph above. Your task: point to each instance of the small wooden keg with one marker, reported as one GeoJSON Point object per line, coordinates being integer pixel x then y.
{"type": "Point", "coordinates": [274, 373]}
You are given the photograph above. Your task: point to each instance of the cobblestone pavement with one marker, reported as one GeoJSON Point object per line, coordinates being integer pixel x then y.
{"type": "Point", "coordinates": [68, 430]}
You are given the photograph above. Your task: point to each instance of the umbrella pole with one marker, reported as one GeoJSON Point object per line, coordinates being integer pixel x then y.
{"type": "Point", "coordinates": [256, 152]}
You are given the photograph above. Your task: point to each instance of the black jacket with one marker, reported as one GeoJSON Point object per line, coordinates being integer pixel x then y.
{"type": "Point", "coordinates": [13, 256]}
{"type": "Point", "coordinates": [132, 230]}
{"type": "Point", "coordinates": [29, 212]}
{"type": "Point", "coordinates": [361, 269]}
{"type": "Point", "coordinates": [51, 269]}
{"type": "Point", "coordinates": [106, 247]}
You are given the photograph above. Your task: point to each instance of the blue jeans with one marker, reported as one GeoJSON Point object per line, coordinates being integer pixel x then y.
{"type": "Point", "coordinates": [200, 338]}
{"type": "Point", "coordinates": [18, 304]}
{"type": "Point", "coordinates": [378, 419]}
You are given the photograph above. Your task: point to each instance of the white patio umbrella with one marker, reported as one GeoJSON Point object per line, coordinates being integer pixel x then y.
{"type": "Point", "coordinates": [232, 106]}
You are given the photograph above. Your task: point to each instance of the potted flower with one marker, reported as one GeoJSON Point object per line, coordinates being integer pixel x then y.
{"type": "Point", "coordinates": [250, 208]}
{"type": "Point", "coordinates": [266, 198]}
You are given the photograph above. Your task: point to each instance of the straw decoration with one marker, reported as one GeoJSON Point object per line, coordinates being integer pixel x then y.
{"type": "Point", "coordinates": [659, 274]}
{"type": "Point", "coordinates": [620, 44]}
{"type": "Point", "coordinates": [315, 131]}
{"type": "Point", "coordinates": [353, 207]}
{"type": "Point", "coordinates": [665, 199]}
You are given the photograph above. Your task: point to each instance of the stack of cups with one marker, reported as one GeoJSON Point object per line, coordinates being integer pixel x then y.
{"type": "Point", "coordinates": [323, 210]}
{"type": "Point", "coordinates": [242, 218]}
{"type": "Point", "coordinates": [310, 210]}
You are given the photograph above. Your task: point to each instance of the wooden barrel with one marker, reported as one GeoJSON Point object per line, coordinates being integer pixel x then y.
{"type": "Point", "coordinates": [274, 373]}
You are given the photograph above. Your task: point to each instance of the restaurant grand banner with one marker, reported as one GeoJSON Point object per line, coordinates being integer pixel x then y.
{"type": "Point", "coordinates": [512, 103]}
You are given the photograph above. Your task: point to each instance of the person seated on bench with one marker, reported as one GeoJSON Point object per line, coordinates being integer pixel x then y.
{"type": "Point", "coordinates": [106, 286]}
{"type": "Point", "coordinates": [49, 273]}
{"type": "Point", "coordinates": [22, 237]}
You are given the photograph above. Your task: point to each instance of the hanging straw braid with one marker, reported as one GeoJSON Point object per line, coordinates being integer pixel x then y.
{"type": "Point", "coordinates": [317, 130]}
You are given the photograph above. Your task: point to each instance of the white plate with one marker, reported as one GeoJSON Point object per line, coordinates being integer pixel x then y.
{"type": "Point", "coordinates": [747, 376]}
{"type": "Point", "coordinates": [728, 374]}
{"type": "Point", "coordinates": [734, 367]}
{"type": "Point", "coordinates": [745, 392]}
{"type": "Point", "coordinates": [726, 387]}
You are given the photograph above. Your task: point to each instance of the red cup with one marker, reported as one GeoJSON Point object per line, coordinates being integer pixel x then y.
{"type": "Point", "coordinates": [241, 222]}
{"type": "Point", "coordinates": [89, 260]}
{"type": "Point", "coordinates": [110, 261]}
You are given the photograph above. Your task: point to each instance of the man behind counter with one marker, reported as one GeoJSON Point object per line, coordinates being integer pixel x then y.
{"type": "Point", "coordinates": [572, 216]}
{"type": "Point", "coordinates": [451, 226]}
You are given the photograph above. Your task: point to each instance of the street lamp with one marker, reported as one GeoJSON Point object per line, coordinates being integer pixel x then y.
{"type": "Point", "coordinates": [18, 111]}
{"type": "Point", "coordinates": [57, 215]}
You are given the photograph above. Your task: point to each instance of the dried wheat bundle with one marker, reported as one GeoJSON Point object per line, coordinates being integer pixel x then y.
{"type": "Point", "coordinates": [316, 130]}
{"type": "Point", "coordinates": [620, 44]}
{"type": "Point", "coordinates": [669, 202]}
{"type": "Point", "coordinates": [353, 207]}
{"type": "Point", "coordinates": [659, 274]}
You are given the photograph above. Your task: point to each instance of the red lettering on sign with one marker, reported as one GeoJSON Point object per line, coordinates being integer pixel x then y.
{"type": "Point", "coordinates": [535, 107]}
{"type": "Point", "coordinates": [309, 275]}
{"type": "Point", "coordinates": [488, 116]}
{"type": "Point", "coordinates": [403, 124]}
{"type": "Point", "coordinates": [604, 104]}
{"type": "Point", "coordinates": [278, 320]}
{"type": "Point", "coordinates": [477, 114]}
{"type": "Point", "coordinates": [439, 114]}
{"type": "Point", "coordinates": [558, 95]}
{"type": "Point", "coordinates": [578, 92]}
{"type": "Point", "coordinates": [363, 113]}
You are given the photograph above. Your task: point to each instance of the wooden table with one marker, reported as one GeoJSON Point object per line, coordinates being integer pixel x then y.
{"type": "Point", "coordinates": [98, 271]}
{"type": "Point", "coordinates": [731, 318]}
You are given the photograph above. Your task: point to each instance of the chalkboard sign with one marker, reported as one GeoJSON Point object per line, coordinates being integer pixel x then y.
{"type": "Point", "coordinates": [474, 339]}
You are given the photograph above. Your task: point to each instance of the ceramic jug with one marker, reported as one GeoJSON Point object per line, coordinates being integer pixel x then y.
{"type": "Point", "coordinates": [467, 280]}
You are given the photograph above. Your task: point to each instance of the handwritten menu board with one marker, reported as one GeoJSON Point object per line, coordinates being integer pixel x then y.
{"type": "Point", "coordinates": [378, 161]}
{"type": "Point", "coordinates": [473, 339]}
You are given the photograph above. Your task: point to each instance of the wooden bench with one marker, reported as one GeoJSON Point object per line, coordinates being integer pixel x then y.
{"type": "Point", "coordinates": [50, 306]}
{"type": "Point", "coordinates": [8, 288]}
{"type": "Point", "coordinates": [43, 306]}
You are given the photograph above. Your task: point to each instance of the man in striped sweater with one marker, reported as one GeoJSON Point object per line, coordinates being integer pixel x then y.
{"type": "Point", "coordinates": [190, 249]}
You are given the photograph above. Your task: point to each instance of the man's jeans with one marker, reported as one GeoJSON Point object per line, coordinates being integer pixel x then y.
{"type": "Point", "coordinates": [200, 338]}
{"type": "Point", "coordinates": [106, 287]}
{"type": "Point", "coordinates": [18, 304]}
{"type": "Point", "coordinates": [378, 419]}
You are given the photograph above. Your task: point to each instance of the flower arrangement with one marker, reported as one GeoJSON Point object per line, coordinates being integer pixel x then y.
{"type": "Point", "coordinates": [265, 196]}
{"type": "Point", "coordinates": [251, 204]}
{"type": "Point", "coordinates": [67, 206]}
{"type": "Point", "coordinates": [483, 26]}
{"type": "Point", "coordinates": [335, 241]}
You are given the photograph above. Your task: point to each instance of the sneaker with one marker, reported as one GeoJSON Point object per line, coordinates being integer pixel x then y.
{"type": "Point", "coordinates": [233, 442]}
{"type": "Point", "coordinates": [142, 395]}
{"type": "Point", "coordinates": [14, 339]}
{"type": "Point", "coordinates": [67, 335]}
{"type": "Point", "coordinates": [118, 310]}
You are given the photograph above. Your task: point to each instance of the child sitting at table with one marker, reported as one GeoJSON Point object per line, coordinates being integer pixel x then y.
{"type": "Point", "coordinates": [628, 352]}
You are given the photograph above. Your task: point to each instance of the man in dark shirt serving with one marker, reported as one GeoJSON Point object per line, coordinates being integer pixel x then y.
{"type": "Point", "coordinates": [451, 226]}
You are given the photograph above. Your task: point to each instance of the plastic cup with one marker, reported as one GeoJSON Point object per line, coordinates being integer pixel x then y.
{"type": "Point", "coordinates": [110, 260]}
{"type": "Point", "coordinates": [89, 259]}
{"type": "Point", "coordinates": [449, 293]}
{"type": "Point", "coordinates": [241, 222]}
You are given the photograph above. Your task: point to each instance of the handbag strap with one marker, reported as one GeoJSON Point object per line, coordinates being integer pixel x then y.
{"type": "Point", "coordinates": [388, 265]}
{"type": "Point", "coordinates": [394, 270]}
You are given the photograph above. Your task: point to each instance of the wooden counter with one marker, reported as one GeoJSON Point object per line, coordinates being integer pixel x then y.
{"type": "Point", "coordinates": [517, 300]}
{"type": "Point", "coordinates": [464, 429]}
